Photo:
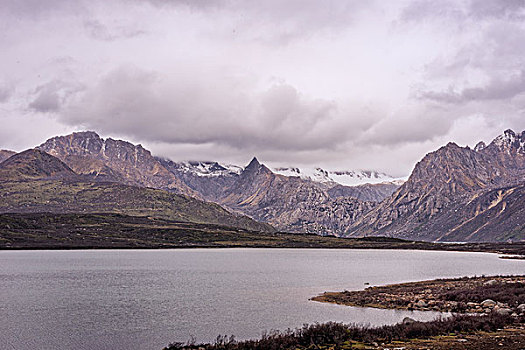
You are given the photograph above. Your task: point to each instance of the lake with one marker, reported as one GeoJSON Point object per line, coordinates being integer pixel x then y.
{"type": "Point", "coordinates": [145, 299]}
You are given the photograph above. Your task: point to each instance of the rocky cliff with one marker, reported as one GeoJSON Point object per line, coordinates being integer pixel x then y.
{"type": "Point", "coordinates": [288, 203]}
{"type": "Point", "coordinates": [452, 195]}
{"type": "Point", "coordinates": [113, 160]}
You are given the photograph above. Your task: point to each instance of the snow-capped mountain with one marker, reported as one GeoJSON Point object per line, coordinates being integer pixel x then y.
{"type": "Point", "coordinates": [510, 141]}
{"type": "Point", "coordinates": [345, 177]}
{"type": "Point", "coordinates": [207, 169]}
{"type": "Point", "coordinates": [312, 174]}
{"type": "Point", "coordinates": [317, 174]}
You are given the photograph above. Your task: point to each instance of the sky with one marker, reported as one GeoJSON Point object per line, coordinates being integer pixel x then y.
{"type": "Point", "coordinates": [338, 84]}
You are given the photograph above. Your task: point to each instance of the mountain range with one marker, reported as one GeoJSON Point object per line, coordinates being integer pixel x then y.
{"type": "Point", "coordinates": [457, 194]}
{"type": "Point", "coordinates": [453, 194]}
{"type": "Point", "coordinates": [34, 181]}
{"type": "Point", "coordinates": [289, 203]}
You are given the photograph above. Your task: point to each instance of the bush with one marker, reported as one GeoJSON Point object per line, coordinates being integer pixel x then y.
{"type": "Point", "coordinates": [335, 334]}
{"type": "Point", "coordinates": [512, 294]}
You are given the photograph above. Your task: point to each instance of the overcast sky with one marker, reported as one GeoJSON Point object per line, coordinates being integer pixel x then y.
{"type": "Point", "coordinates": [340, 84]}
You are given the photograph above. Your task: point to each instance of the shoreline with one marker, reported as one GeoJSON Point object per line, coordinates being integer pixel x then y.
{"type": "Point", "coordinates": [499, 324]}
{"type": "Point", "coordinates": [502, 255]}
{"type": "Point", "coordinates": [505, 256]}
{"type": "Point", "coordinates": [470, 295]}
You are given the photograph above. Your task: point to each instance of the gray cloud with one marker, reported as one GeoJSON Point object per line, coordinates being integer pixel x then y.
{"type": "Point", "coordinates": [36, 9]}
{"type": "Point", "coordinates": [332, 12]}
{"type": "Point", "coordinates": [507, 9]}
{"type": "Point", "coordinates": [411, 124]}
{"type": "Point", "coordinates": [274, 21]}
{"type": "Point", "coordinates": [50, 97]}
{"type": "Point", "coordinates": [186, 109]}
{"type": "Point", "coordinates": [421, 10]}
{"type": "Point", "coordinates": [496, 89]}
{"type": "Point", "coordinates": [99, 31]}
{"type": "Point", "coordinates": [350, 83]}
{"type": "Point", "coordinates": [6, 91]}
{"type": "Point", "coordinates": [464, 10]}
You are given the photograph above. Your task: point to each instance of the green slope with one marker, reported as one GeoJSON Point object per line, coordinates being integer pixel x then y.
{"type": "Point", "coordinates": [62, 196]}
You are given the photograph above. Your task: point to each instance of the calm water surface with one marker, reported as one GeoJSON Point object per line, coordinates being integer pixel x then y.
{"type": "Point", "coordinates": [144, 299]}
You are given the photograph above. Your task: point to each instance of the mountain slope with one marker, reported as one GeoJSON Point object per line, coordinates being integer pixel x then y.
{"type": "Point", "coordinates": [366, 192]}
{"type": "Point", "coordinates": [34, 181]}
{"type": "Point", "coordinates": [4, 154]}
{"type": "Point", "coordinates": [449, 192]}
{"type": "Point", "coordinates": [495, 215]}
{"type": "Point", "coordinates": [34, 164]}
{"type": "Point", "coordinates": [210, 179]}
{"type": "Point", "coordinates": [287, 203]}
{"type": "Point", "coordinates": [113, 160]}
{"type": "Point", "coordinates": [290, 203]}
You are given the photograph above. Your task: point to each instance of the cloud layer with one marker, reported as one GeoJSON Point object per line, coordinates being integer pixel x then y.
{"type": "Point", "coordinates": [342, 84]}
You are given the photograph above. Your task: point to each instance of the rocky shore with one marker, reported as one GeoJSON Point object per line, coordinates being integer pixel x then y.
{"type": "Point", "coordinates": [487, 313]}
{"type": "Point", "coordinates": [476, 295]}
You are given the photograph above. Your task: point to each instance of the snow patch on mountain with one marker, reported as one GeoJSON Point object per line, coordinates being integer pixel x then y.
{"type": "Point", "coordinates": [208, 169]}
{"type": "Point", "coordinates": [312, 174]}
{"type": "Point", "coordinates": [344, 177]}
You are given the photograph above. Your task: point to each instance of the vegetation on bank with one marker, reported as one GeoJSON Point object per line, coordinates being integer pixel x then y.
{"type": "Point", "coordinates": [114, 230]}
{"type": "Point", "coordinates": [501, 300]}
{"type": "Point", "coordinates": [340, 336]}
{"type": "Point", "coordinates": [466, 294]}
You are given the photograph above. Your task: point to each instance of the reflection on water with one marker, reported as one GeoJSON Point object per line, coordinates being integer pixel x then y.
{"type": "Point", "coordinates": [144, 299]}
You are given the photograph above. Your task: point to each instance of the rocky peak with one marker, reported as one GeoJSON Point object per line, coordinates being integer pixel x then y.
{"type": "Point", "coordinates": [480, 146]}
{"type": "Point", "coordinates": [91, 144]}
{"type": "Point", "coordinates": [442, 183]}
{"type": "Point", "coordinates": [77, 143]}
{"type": "Point", "coordinates": [113, 160]}
{"type": "Point", "coordinates": [449, 171]}
{"type": "Point", "coordinates": [509, 141]}
{"type": "Point", "coordinates": [254, 163]}
{"type": "Point", "coordinates": [255, 168]}
{"type": "Point", "coordinates": [507, 151]}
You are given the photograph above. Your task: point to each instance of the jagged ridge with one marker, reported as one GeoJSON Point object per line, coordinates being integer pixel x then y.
{"type": "Point", "coordinates": [34, 181]}
{"type": "Point", "coordinates": [437, 200]}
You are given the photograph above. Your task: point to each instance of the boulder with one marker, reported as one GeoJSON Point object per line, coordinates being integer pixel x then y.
{"type": "Point", "coordinates": [421, 303]}
{"type": "Point", "coordinates": [408, 320]}
{"type": "Point", "coordinates": [504, 311]}
{"type": "Point", "coordinates": [490, 283]}
{"type": "Point", "coordinates": [488, 303]}
{"type": "Point", "coordinates": [521, 308]}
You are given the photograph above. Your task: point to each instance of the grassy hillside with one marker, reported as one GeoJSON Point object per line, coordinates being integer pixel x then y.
{"type": "Point", "coordinates": [103, 230]}
{"type": "Point", "coordinates": [63, 196]}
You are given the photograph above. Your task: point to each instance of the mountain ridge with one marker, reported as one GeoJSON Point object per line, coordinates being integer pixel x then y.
{"type": "Point", "coordinates": [113, 160]}
{"type": "Point", "coordinates": [453, 193]}
{"type": "Point", "coordinates": [34, 181]}
{"type": "Point", "coordinates": [450, 177]}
